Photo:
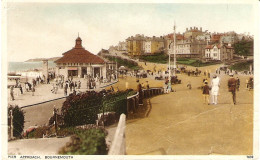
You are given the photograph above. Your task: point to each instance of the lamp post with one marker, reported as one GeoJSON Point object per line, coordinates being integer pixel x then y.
{"type": "Point", "coordinates": [174, 54]}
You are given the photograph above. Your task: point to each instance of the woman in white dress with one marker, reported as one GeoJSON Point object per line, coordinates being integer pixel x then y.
{"type": "Point", "coordinates": [215, 83]}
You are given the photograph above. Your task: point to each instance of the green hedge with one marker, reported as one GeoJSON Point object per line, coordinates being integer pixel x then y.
{"type": "Point", "coordinates": [83, 108]}
{"type": "Point", "coordinates": [18, 120]}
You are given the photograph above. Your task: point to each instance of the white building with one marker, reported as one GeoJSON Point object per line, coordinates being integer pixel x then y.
{"type": "Point", "coordinates": [212, 52]}
{"type": "Point", "coordinates": [147, 47]}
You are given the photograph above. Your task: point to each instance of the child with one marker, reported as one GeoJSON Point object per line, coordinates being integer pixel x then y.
{"type": "Point", "coordinates": [206, 92]}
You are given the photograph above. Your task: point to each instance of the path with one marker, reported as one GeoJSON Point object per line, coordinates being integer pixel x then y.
{"type": "Point", "coordinates": [41, 146]}
{"type": "Point", "coordinates": [180, 124]}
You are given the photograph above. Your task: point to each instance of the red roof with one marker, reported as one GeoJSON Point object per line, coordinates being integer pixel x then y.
{"type": "Point", "coordinates": [178, 36]}
{"type": "Point", "coordinates": [209, 47]}
{"type": "Point", "coordinates": [79, 55]}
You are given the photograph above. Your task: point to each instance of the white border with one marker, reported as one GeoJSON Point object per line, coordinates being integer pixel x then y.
{"type": "Point", "coordinates": [184, 157]}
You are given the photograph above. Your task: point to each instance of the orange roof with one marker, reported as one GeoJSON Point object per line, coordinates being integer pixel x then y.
{"type": "Point", "coordinates": [209, 47]}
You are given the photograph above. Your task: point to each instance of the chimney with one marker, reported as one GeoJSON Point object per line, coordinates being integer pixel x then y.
{"type": "Point", "coordinates": [190, 28]}
{"type": "Point", "coordinates": [186, 29]}
{"type": "Point", "coordinates": [200, 28]}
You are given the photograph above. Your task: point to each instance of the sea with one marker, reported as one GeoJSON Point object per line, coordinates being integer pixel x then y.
{"type": "Point", "coordinates": [26, 66]}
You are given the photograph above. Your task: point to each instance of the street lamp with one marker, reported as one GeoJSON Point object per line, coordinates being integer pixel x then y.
{"type": "Point", "coordinates": [174, 54]}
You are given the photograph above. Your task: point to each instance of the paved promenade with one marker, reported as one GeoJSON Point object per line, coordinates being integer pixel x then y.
{"type": "Point", "coordinates": [40, 146]}
{"type": "Point", "coordinates": [43, 93]}
{"type": "Point", "coordinates": [181, 124]}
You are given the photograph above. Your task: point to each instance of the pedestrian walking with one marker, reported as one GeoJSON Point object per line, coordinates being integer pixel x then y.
{"type": "Point", "coordinates": [232, 82]}
{"type": "Point", "coordinates": [189, 85]}
{"type": "Point", "coordinates": [147, 85]}
{"type": "Point", "coordinates": [66, 90]}
{"type": "Point", "coordinates": [205, 92]}
{"type": "Point", "coordinates": [48, 80]}
{"type": "Point", "coordinates": [79, 84]}
{"type": "Point", "coordinates": [33, 90]}
{"type": "Point", "coordinates": [71, 85]}
{"type": "Point", "coordinates": [12, 92]}
{"type": "Point", "coordinates": [21, 88]}
{"type": "Point", "coordinates": [140, 91]}
{"type": "Point", "coordinates": [238, 83]}
{"type": "Point", "coordinates": [215, 83]}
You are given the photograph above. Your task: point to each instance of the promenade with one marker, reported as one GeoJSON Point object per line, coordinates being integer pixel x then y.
{"type": "Point", "coordinates": [181, 124]}
{"type": "Point", "coordinates": [43, 93]}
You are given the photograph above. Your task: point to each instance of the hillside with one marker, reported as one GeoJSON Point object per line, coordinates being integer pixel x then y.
{"type": "Point", "coordinates": [41, 59]}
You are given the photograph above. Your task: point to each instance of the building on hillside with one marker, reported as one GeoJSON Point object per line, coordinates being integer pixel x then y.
{"type": "Point", "coordinates": [112, 49]}
{"type": "Point", "coordinates": [122, 46]}
{"type": "Point", "coordinates": [186, 47]}
{"type": "Point", "coordinates": [103, 52]}
{"type": "Point", "coordinates": [135, 45]}
{"type": "Point", "coordinates": [80, 62]}
{"type": "Point", "coordinates": [147, 47]}
{"type": "Point", "coordinates": [220, 52]}
{"type": "Point", "coordinates": [193, 32]}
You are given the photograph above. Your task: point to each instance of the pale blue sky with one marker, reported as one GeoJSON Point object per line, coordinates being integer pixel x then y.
{"type": "Point", "coordinates": [48, 30]}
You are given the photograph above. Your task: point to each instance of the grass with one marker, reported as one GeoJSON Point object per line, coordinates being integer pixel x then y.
{"type": "Point", "coordinates": [156, 58]}
{"type": "Point", "coordinates": [163, 58]}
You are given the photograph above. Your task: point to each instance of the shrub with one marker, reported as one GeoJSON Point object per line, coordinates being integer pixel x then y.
{"type": "Point", "coordinates": [81, 108]}
{"type": "Point", "coordinates": [87, 142]}
{"type": "Point", "coordinates": [18, 120]}
{"type": "Point", "coordinates": [40, 131]}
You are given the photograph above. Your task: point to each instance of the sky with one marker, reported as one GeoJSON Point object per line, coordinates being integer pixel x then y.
{"type": "Point", "coordinates": [44, 30]}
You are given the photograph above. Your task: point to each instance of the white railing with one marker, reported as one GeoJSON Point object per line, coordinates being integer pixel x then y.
{"type": "Point", "coordinates": [118, 146]}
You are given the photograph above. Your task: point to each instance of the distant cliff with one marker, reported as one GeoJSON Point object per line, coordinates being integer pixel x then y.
{"type": "Point", "coordinates": [41, 59]}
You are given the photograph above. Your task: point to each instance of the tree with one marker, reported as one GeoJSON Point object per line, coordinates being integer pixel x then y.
{"type": "Point", "coordinates": [243, 47]}
{"type": "Point", "coordinates": [18, 120]}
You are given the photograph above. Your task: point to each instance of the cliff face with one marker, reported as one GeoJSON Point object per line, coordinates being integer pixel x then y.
{"type": "Point", "coordinates": [41, 59]}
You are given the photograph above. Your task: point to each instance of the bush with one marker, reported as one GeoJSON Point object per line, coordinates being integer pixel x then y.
{"type": "Point", "coordinates": [18, 120]}
{"type": "Point", "coordinates": [40, 131]}
{"type": "Point", "coordinates": [87, 142]}
{"type": "Point", "coordinates": [81, 108]}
